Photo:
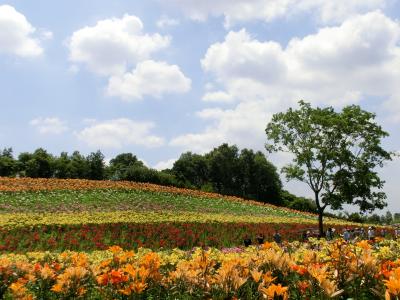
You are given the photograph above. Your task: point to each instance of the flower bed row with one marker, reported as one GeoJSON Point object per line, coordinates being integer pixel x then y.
{"type": "Point", "coordinates": [15, 220]}
{"type": "Point", "coordinates": [324, 271]}
{"type": "Point", "coordinates": [89, 237]}
{"type": "Point", "coordinates": [8, 184]}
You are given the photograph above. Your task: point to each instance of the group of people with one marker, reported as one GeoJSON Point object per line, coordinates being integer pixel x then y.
{"type": "Point", "coordinates": [348, 235]}
{"type": "Point", "coordinates": [260, 239]}
{"type": "Point", "coordinates": [371, 233]}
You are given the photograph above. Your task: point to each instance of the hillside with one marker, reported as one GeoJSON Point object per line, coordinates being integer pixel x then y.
{"type": "Point", "coordinates": [56, 212]}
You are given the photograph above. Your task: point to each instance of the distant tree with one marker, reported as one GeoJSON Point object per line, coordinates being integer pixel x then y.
{"type": "Point", "coordinates": [388, 218]}
{"type": "Point", "coordinates": [38, 164]}
{"type": "Point", "coordinates": [223, 169]}
{"type": "Point", "coordinates": [119, 166]}
{"type": "Point", "coordinates": [191, 169]}
{"type": "Point", "coordinates": [8, 165]}
{"type": "Point", "coordinates": [96, 166]}
{"type": "Point", "coordinates": [62, 166]}
{"type": "Point", "coordinates": [396, 217]}
{"type": "Point", "coordinates": [78, 166]}
{"type": "Point", "coordinates": [141, 174]}
{"type": "Point", "coordinates": [375, 218]}
{"type": "Point", "coordinates": [248, 181]}
{"type": "Point", "coordinates": [267, 184]}
{"type": "Point", "coordinates": [355, 217]}
{"type": "Point", "coordinates": [335, 153]}
{"type": "Point", "coordinates": [168, 179]}
{"type": "Point", "coordinates": [298, 203]}
{"type": "Point", "coordinates": [258, 178]}
{"type": "Point", "coordinates": [226, 171]}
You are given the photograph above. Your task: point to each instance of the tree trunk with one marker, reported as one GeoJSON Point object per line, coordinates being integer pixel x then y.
{"type": "Point", "coordinates": [320, 214]}
{"type": "Point", "coordinates": [320, 223]}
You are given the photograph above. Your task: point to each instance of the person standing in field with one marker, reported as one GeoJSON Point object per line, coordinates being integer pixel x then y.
{"type": "Point", "coordinates": [362, 233]}
{"type": "Point", "coordinates": [247, 241]}
{"type": "Point", "coordinates": [397, 233]}
{"type": "Point", "coordinates": [329, 234]}
{"type": "Point", "coordinates": [277, 237]}
{"type": "Point", "coordinates": [371, 233]}
{"type": "Point", "coordinates": [260, 239]}
{"type": "Point", "coordinates": [346, 235]}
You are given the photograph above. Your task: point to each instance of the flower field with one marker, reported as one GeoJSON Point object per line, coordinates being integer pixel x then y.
{"type": "Point", "coordinates": [195, 240]}
{"type": "Point", "coordinates": [84, 215]}
{"type": "Point", "coordinates": [74, 194]}
{"type": "Point", "coordinates": [316, 270]}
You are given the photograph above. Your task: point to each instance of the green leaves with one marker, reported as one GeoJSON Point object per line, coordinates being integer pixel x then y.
{"type": "Point", "coordinates": [335, 153]}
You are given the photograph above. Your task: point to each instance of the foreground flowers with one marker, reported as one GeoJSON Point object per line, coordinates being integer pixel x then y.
{"type": "Point", "coordinates": [318, 270]}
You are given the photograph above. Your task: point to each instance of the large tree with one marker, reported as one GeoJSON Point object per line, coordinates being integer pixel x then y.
{"type": "Point", "coordinates": [36, 164]}
{"type": "Point", "coordinates": [8, 165]}
{"type": "Point", "coordinates": [335, 153]}
{"type": "Point", "coordinates": [191, 169]}
{"type": "Point", "coordinates": [223, 166]}
{"type": "Point", "coordinates": [96, 165]}
{"type": "Point", "coordinates": [120, 165]}
{"type": "Point", "coordinates": [258, 178]}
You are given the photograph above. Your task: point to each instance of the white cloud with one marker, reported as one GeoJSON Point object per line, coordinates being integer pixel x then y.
{"type": "Point", "coordinates": [167, 164]}
{"type": "Point", "coordinates": [45, 34]}
{"type": "Point", "coordinates": [243, 126]}
{"type": "Point", "coordinates": [239, 11]}
{"type": "Point", "coordinates": [335, 66]}
{"type": "Point", "coordinates": [218, 96]}
{"type": "Point", "coordinates": [340, 10]}
{"type": "Point", "coordinates": [121, 132]}
{"type": "Point", "coordinates": [150, 78]}
{"type": "Point", "coordinates": [113, 45]}
{"type": "Point", "coordinates": [49, 125]}
{"type": "Point", "coordinates": [17, 34]}
{"type": "Point", "coordinates": [166, 21]}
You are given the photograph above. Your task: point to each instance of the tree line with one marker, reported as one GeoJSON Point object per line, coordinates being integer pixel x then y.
{"type": "Point", "coordinates": [225, 170]}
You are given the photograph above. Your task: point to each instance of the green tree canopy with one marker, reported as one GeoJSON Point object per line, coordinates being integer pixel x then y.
{"type": "Point", "coordinates": [191, 169]}
{"type": "Point", "coordinates": [223, 166]}
{"type": "Point", "coordinates": [258, 178]}
{"type": "Point", "coordinates": [335, 153]}
{"type": "Point", "coordinates": [120, 165]}
{"type": "Point", "coordinates": [8, 165]}
{"type": "Point", "coordinates": [96, 166]}
{"type": "Point", "coordinates": [36, 164]}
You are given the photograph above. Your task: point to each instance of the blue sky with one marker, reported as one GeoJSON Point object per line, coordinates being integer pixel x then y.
{"type": "Point", "coordinates": [157, 78]}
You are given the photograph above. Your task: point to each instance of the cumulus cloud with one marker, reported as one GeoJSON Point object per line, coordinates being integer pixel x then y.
{"type": "Point", "coordinates": [167, 164]}
{"type": "Point", "coordinates": [218, 96]}
{"type": "Point", "coordinates": [49, 125]}
{"type": "Point", "coordinates": [166, 21]}
{"type": "Point", "coordinates": [243, 126]}
{"type": "Point", "coordinates": [17, 34]}
{"type": "Point", "coordinates": [150, 78]}
{"type": "Point", "coordinates": [113, 45]}
{"type": "Point", "coordinates": [121, 132]}
{"type": "Point", "coordinates": [46, 34]}
{"type": "Point", "coordinates": [239, 11]}
{"type": "Point", "coordinates": [337, 66]}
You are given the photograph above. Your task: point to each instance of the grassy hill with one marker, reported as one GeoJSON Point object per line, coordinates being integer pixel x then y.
{"type": "Point", "coordinates": [81, 214]}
